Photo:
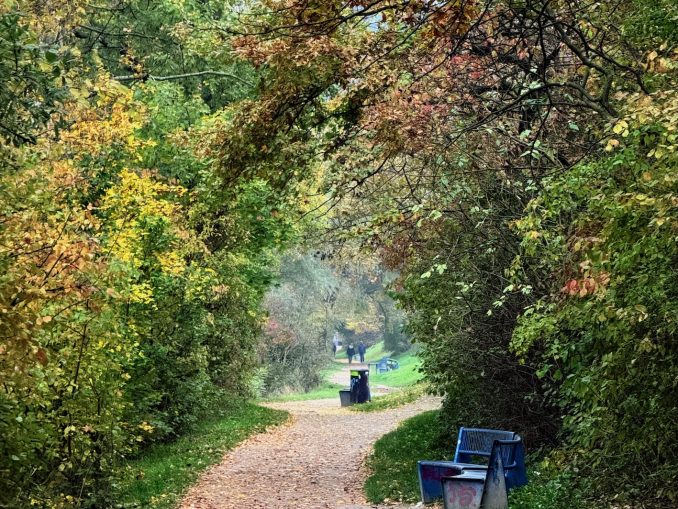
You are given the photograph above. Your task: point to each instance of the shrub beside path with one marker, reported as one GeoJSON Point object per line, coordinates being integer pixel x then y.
{"type": "Point", "coordinates": [314, 461]}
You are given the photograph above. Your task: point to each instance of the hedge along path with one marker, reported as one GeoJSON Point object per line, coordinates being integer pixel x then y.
{"type": "Point", "coordinates": [315, 461]}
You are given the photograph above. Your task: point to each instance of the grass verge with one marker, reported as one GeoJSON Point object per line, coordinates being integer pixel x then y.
{"type": "Point", "coordinates": [375, 352]}
{"type": "Point", "coordinates": [393, 463]}
{"type": "Point", "coordinates": [392, 400]}
{"type": "Point", "coordinates": [159, 476]}
{"type": "Point", "coordinates": [405, 376]}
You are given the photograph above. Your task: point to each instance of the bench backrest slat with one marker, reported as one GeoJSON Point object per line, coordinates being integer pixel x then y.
{"type": "Point", "coordinates": [479, 442]}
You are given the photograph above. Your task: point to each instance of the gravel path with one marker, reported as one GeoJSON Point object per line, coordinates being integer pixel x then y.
{"type": "Point", "coordinates": [315, 461]}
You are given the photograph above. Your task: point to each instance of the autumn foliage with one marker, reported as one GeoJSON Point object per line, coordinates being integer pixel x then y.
{"type": "Point", "coordinates": [123, 315]}
{"type": "Point", "coordinates": [513, 161]}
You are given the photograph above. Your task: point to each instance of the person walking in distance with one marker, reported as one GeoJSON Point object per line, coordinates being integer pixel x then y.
{"type": "Point", "coordinates": [350, 352]}
{"type": "Point", "coordinates": [361, 351]}
{"type": "Point", "coordinates": [335, 344]}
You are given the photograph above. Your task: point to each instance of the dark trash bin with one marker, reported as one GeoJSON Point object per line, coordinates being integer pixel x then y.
{"type": "Point", "coordinates": [360, 386]}
{"type": "Point", "coordinates": [345, 397]}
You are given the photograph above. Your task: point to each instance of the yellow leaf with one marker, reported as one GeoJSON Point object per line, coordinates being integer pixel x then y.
{"type": "Point", "coordinates": [620, 127]}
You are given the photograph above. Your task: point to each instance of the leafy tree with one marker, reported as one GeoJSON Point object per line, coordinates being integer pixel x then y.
{"type": "Point", "coordinates": [434, 124]}
{"type": "Point", "coordinates": [131, 283]}
{"type": "Point", "coordinates": [157, 157]}
{"type": "Point", "coordinates": [167, 41]}
{"type": "Point", "coordinates": [29, 96]}
{"type": "Point", "coordinates": [298, 324]}
{"type": "Point", "coordinates": [64, 348]}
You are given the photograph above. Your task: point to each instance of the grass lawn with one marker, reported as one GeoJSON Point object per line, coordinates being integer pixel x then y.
{"type": "Point", "coordinates": [407, 374]}
{"type": "Point", "coordinates": [159, 477]}
{"type": "Point", "coordinates": [375, 352]}
{"type": "Point", "coordinates": [332, 368]}
{"type": "Point", "coordinates": [393, 463]}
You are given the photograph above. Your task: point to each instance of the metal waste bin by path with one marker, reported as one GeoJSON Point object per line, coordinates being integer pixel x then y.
{"type": "Point", "coordinates": [345, 397]}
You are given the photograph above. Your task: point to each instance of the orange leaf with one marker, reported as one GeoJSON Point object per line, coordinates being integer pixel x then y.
{"type": "Point", "coordinates": [41, 356]}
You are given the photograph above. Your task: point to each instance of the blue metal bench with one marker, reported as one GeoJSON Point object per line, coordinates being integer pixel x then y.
{"type": "Point", "coordinates": [383, 364]}
{"type": "Point", "coordinates": [471, 444]}
{"type": "Point", "coordinates": [481, 489]}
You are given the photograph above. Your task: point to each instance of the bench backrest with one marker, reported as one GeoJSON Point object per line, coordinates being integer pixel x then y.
{"type": "Point", "coordinates": [478, 442]}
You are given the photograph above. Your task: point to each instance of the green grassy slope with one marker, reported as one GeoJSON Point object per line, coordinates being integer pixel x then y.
{"type": "Point", "coordinates": [407, 374]}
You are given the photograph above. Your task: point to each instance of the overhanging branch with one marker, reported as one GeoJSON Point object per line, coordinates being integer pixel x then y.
{"type": "Point", "coordinates": [147, 77]}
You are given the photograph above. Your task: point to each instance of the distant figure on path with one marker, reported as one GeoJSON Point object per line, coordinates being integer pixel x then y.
{"type": "Point", "coordinates": [361, 351]}
{"type": "Point", "coordinates": [335, 344]}
{"type": "Point", "coordinates": [350, 352]}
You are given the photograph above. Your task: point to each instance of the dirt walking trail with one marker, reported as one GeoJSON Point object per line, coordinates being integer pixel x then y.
{"type": "Point", "coordinates": [314, 461]}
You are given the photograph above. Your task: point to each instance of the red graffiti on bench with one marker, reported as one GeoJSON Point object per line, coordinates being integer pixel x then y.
{"type": "Point", "coordinates": [461, 495]}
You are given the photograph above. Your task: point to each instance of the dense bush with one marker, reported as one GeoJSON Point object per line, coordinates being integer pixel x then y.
{"type": "Point", "coordinates": [606, 232]}
{"type": "Point", "coordinates": [460, 316]}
